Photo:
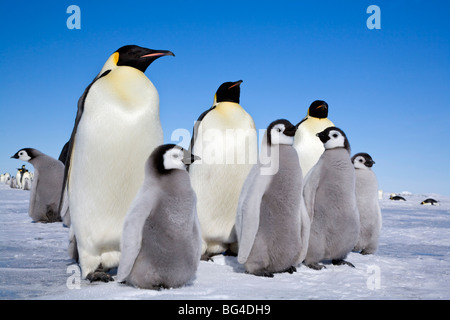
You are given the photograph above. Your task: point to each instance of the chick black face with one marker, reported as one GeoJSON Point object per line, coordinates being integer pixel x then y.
{"type": "Point", "coordinates": [229, 91]}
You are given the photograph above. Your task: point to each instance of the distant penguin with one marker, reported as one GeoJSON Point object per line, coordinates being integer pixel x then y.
{"type": "Point", "coordinates": [13, 183]}
{"type": "Point", "coordinates": [46, 187]}
{"type": "Point", "coordinates": [368, 205]}
{"type": "Point", "coordinates": [396, 198]}
{"type": "Point", "coordinates": [329, 194]}
{"type": "Point", "coordinates": [116, 128]}
{"type": "Point", "coordinates": [19, 176]}
{"type": "Point", "coordinates": [429, 202]}
{"type": "Point", "coordinates": [272, 225]}
{"type": "Point", "coordinates": [27, 181]}
{"type": "Point", "coordinates": [309, 148]}
{"type": "Point", "coordinates": [225, 139]}
{"type": "Point", "coordinates": [161, 240]}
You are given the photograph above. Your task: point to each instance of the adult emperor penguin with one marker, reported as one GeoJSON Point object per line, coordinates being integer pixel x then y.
{"type": "Point", "coordinates": [116, 128]}
{"type": "Point", "coordinates": [272, 225]}
{"type": "Point", "coordinates": [225, 139]}
{"type": "Point", "coordinates": [45, 190]}
{"type": "Point", "coordinates": [329, 194]}
{"type": "Point", "coordinates": [368, 205]}
{"type": "Point", "coordinates": [308, 147]}
{"type": "Point", "coordinates": [161, 240]}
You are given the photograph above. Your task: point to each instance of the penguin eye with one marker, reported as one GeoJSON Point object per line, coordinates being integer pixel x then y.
{"type": "Point", "coordinates": [335, 135]}
{"type": "Point", "coordinates": [361, 160]}
{"type": "Point", "coordinates": [278, 129]}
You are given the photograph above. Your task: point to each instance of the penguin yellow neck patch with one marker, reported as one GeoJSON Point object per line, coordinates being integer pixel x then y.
{"type": "Point", "coordinates": [115, 57]}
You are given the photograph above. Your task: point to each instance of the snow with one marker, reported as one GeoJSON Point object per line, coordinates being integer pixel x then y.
{"type": "Point", "coordinates": [412, 262]}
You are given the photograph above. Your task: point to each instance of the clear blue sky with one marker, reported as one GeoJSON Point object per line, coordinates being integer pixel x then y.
{"type": "Point", "coordinates": [388, 89]}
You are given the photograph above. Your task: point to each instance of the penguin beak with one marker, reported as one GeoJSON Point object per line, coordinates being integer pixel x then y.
{"type": "Point", "coordinates": [16, 156]}
{"type": "Point", "coordinates": [158, 53]}
{"type": "Point", "coordinates": [290, 132]}
{"type": "Point", "coordinates": [189, 159]}
{"type": "Point", "coordinates": [237, 83]}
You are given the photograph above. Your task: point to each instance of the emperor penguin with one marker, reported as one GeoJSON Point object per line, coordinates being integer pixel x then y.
{"type": "Point", "coordinates": [116, 128]}
{"type": "Point", "coordinates": [308, 147]}
{"type": "Point", "coordinates": [225, 139]}
{"type": "Point", "coordinates": [161, 241]}
{"type": "Point", "coordinates": [45, 190]}
{"type": "Point", "coordinates": [272, 225]}
{"type": "Point", "coordinates": [329, 194]}
{"type": "Point", "coordinates": [368, 205]}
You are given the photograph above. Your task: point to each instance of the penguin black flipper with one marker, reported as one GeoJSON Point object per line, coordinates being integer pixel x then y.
{"type": "Point", "coordinates": [68, 148]}
{"type": "Point", "coordinates": [195, 130]}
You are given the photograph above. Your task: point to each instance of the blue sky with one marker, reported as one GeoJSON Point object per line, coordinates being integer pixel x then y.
{"type": "Point", "coordinates": [388, 89]}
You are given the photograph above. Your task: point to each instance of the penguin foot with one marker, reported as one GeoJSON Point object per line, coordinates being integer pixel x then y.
{"type": "Point", "coordinates": [340, 262]}
{"type": "Point", "coordinates": [291, 270]}
{"type": "Point", "coordinates": [230, 253]}
{"type": "Point", "coordinates": [267, 274]}
{"type": "Point", "coordinates": [206, 257]}
{"type": "Point", "coordinates": [316, 266]}
{"type": "Point", "coordinates": [99, 275]}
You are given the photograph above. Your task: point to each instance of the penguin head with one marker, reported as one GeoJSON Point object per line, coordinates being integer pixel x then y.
{"type": "Point", "coordinates": [318, 109]}
{"type": "Point", "coordinates": [228, 91]}
{"type": "Point", "coordinates": [25, 154]}
{"type": "Point", "coordinates": [281, 132]}
{"type": "Point", "coordinates": [134, 56]}
{"type": "Point", "coordinates": [168, 157]}
{"type": "Point", "coordinates": [333, 137]}
{"type": "Point", "coordinates": [362, 160]}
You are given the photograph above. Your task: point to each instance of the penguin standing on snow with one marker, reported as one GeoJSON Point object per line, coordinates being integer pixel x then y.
{"type": "Point", "coordinates": [161, 241]}
{"type": "Point", "coordinates": [225, 139]}
{"type": "Point", "coordinates": [367, 201]}
{"type": "Point", "coordinates": [272, 226]}
{"type": "Point", "coordinates": [329, 194]}
{"type": "Point", "coordinates": [45, 190]}
{"type": "Point", "coordinates": [116, 128]}
{"type": "Point", "coordinates": [308, 147]}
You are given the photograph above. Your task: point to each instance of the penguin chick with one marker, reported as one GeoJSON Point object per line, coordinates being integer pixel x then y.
{"type": "Point", "coordinates": [161, 240]}
{"type": "Point", "coordinates": [329, 194]}
{"type": "Point", "coordinates": [45, 190]}
{"type": "Point", "coordinates": [225, 138]}
{"type": "Point", "coordinates": [309, 148]}
{"type": "Point", "coordinates": [116, 128]}
{"type": "Point", "coordinates": [366, 189]}
{"type": "Point", "coordinates": [272, 225]}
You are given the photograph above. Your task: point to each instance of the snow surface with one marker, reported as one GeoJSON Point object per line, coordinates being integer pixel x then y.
{"type": "Point", "coordinates": [412, 262]}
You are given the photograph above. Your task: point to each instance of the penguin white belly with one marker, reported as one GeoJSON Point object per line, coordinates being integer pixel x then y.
{"type": "Point", "coordinates": [118, 130]}
{"type": "Point", "coordinates": [309, 147]}
{"type": "Point", "coordinates": [227, 145]}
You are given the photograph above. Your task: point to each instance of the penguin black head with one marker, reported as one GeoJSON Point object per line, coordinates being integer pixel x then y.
{"type": "Point", "coordinates": [318, 109]}
{"type": "Point", "coordinates": [168, 157]}
{"type": "Point", "coordinates": [138, 57]}
{"type": "Point", "coordinates": [25, 154]}
{"type": "Point", "coordinates": [333, 137]}
{"type": "Point", "coordinates": [281, 132]}
{"type": "Point", "coordinates": [362, 160]}
{"type": "Point", "coordinates": [229, 91]}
